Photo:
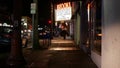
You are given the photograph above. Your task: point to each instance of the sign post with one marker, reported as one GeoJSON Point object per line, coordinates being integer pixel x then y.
{"type": "Point", "coordinates": [34, 12]}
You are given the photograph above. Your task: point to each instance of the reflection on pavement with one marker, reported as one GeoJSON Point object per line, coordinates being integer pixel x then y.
{"type": "Point", "coordinates": [62, 41]}
{"type": "Point", "coordinates": [63, 48]}
{"type": "Point", "coordinates": [60, 44]}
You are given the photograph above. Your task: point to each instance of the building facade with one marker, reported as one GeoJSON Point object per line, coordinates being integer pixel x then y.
{"type": "Point", "coordinates": [99, 31]}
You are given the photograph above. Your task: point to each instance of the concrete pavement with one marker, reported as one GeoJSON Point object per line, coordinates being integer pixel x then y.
{"type": "Point", "coordinates": [61, 54]}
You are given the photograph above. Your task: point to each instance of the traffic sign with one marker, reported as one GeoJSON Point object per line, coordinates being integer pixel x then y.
{"type": "Point", "coordinates": [33, 8]}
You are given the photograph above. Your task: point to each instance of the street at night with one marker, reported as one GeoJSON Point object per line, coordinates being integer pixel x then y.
{"type": "Point", "coordinates": [59, 34]}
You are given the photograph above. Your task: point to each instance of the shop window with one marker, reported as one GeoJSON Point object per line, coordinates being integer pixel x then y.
{"type": "Point", "coordinates": [97, 34]}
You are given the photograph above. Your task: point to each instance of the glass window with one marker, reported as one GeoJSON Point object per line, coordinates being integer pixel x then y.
{"type": "Point", "coordinates": [97, 29]}
{"type": "Point", "coordinates": [95, 26]}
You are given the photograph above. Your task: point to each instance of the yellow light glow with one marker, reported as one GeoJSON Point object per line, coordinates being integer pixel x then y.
{"type": "Point", "coordinates": [63, 48]}
{"type": "Point", "coordinates": [88, 11]}
{"type": "Point", "coordinates": [99, 34]}
{"type": "Point", "coordinates": [0, 24]}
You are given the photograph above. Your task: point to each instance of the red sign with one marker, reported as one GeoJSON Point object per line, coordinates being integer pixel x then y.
{"type": "Point", "coordinates": [63, 5]}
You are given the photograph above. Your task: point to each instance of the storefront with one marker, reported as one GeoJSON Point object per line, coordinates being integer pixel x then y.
{"type": "Point", "coordinates": [94, 21]}
{"type": "Point", "coordinates": [91, 32]}
{"type": "Point", "coordinates": [62, 14]}
{"type": "Point", "coordinates": [94, 30]}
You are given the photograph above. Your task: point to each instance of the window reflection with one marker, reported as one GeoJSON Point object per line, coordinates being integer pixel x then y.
{"type": "Point", "coordinates": [95, 32]}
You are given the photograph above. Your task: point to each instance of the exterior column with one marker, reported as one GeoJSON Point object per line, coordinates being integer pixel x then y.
{"type": "Point", "coordinates": [16, 59]}
{"type": "Point", "coordinates": [110, 34]}
{"type": "Point", "coordinates": [36, 44]}
{"type": "Point", "coordinates": [78, 29]}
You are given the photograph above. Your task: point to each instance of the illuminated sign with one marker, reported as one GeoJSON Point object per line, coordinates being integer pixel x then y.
{"type": "Point", "coordinates": [63, 5]}
{"type": "Point", "coordinates": [33, 8]}
{"type": "Point", "coordinates": [63, 11]}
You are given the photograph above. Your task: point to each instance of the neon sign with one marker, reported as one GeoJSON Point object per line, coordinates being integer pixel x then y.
{"type": "Point", "coordinates": [63, 11]}
{"type": "Point", "coordinates": [63, 5]}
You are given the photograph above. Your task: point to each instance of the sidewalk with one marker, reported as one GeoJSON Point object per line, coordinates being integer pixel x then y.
{"type": "Point", "coordinates": [61, 54]}
{"type": "Point", "coordinates": [58, 55]}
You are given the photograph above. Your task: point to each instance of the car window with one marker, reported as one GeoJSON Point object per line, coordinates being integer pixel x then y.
{"type": "Point", "coordinates": [5, 30]}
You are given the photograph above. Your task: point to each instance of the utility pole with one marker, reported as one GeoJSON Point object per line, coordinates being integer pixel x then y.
{"type": "Point", "coordinates": [35, 38]}
{"type": "Point", "coordinates": [16, 59]}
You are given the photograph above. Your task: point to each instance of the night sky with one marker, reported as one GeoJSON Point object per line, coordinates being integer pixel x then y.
{"type": "Point", "coordinates": [43, 10]}
{"type": "Point", "coordinates": [26, 7]}
{"type": "Point", "coordinates": [6, 6]}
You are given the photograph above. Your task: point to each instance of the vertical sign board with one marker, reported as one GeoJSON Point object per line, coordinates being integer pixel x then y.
{"type": "Point", "coordinates": [33, 8]}
{"type": "Point", "coordinates": [63, 11]}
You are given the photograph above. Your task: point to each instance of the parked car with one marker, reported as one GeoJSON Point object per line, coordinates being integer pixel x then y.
{"type": "Point", "coordinates": [44, 33]}
{"type": "Point", "coordinates": [41, 33]}
{"type": "Point", "coordinates": [5, 38]}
